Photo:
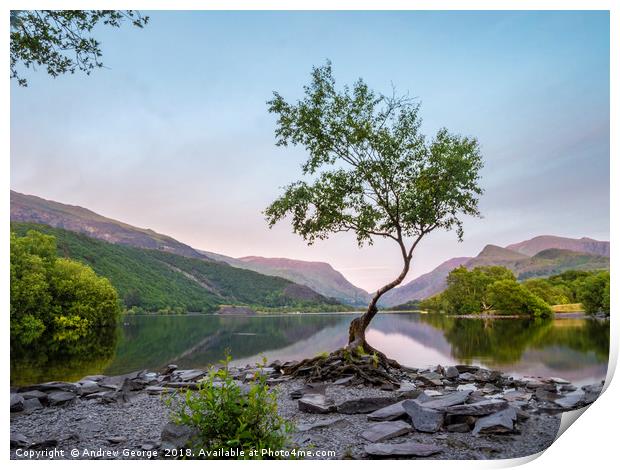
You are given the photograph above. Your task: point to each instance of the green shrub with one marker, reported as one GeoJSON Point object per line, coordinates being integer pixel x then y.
{"type": "Point", "coordinates": [58, 297]}
{"type": "Point", "coordinates": [227, 417]}
{"type": "Point", "coordinates": [594, 293]}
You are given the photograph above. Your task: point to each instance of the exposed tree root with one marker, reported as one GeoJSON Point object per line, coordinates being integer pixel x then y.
{"type": "Point", "coordinates": [365, 365]}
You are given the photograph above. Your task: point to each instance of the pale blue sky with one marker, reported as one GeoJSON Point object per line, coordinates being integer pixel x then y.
{"type": "Point", "coordinates": [174, 133]}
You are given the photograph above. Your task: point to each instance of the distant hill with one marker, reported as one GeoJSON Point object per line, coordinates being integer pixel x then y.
{"type": "Point", "coordinates": [545, 263]}
{"type": "Point", "coordinates": [545, 242]}
{"type": "Point", "coordinates": [155, 279]}
{"type": "Point", "coordinates": [423, 286]}
{"type": "Point", "coordinates": [320, 277]}
{"type": "Point", "coordinates": [26, 208]}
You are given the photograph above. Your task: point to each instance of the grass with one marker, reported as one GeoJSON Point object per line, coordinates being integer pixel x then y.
{"type": "Point", "coordinates": [567, 308]}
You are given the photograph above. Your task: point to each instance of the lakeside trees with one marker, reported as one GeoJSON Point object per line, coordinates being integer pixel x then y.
{"type": "Point", "coordinates": [375, 174]}
{"type": "Point", "coordinates": [495, 288]}
{"type": "Point", "coordinates": [61, 297]}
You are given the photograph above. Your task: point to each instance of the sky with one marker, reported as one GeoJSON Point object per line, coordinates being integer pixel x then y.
{"type": "Point", "coordinates": [174, 134]}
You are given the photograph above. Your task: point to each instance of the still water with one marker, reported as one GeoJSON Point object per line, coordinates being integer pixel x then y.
{"type": "Point", "coordinates": [572, 348]}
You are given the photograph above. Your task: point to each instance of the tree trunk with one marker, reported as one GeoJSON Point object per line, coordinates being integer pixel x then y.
{"type": "Point", "coordinates": [357, 328]}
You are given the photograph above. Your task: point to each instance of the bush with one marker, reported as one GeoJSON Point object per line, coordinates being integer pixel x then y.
{"type": "Point", "coordinates": [59, 297]}
{"type": "Point", "coordinates": [594, 293]}
{"type": "Point", "coordinates": [227, 418]}
{"type": "Point", "coordinates": [510, 297]}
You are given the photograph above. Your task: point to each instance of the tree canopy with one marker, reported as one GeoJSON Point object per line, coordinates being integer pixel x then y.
{"type": "Point", "coordinates": [60, 40]}
{"type": "Point", "coordinates": [371, 171]}
{"type": "Point", "coordinates": [55, 295]}
{"type": "Point", "coordinates": [376, 173]}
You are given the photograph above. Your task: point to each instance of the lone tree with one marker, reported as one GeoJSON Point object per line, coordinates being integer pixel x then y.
{"type": "Point", "coordinates": [372, 172]}
{"type": "Point", "coordinates": [60, 40]}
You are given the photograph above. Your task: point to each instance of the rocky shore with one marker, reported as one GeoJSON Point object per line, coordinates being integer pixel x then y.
{"type": "Point", "coordinates": [456, 412]}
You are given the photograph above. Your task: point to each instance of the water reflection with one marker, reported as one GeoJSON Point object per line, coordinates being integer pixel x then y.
{"type": "Point", "coordinates": [576, 349]}
{"type": "Point", "coordinates": [49, 359]}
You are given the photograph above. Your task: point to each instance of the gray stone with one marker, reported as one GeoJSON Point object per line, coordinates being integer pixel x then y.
{"type": "Point", "coordinates": [467, 377]}
{"type": "Point", "coordinates": [177, 436]}
{"type": "Point", "coordinates": [430, 378]}
{"type": "Point", "coordinates": [19, 440]}
{"type": "Point", "coordinates": [405, 449]}
{"type": "Point", "coordinates": [116, 439]}
{"type": "Point", "coordinates": [54, 386]}
{"type": "Point", "coordinates": [344, 380]}
{"type": "Point", "coordinates": [89, 386]}
{"type": "Point", "coordinates": [315, 404]}
{"type": "Point", "coordinates": [35, 394]}
{"type": "Point", "coordinates": [408, 390]}
{"type": "Point", "coordinates": [449, 399]}
{"type": "Point", "coordinates": [17, 402]}
{"type": "Point", "coordinates": [452, 372]}
{"type": "Point", "coordinates": [383, 431]}
{"type": "Point", "coordinates": [93, 378]}
{"type": "Point", "coordinates": [462, 368]}
{"type": "Point", "coordinates": [389, 413]}
{"type": "Point", "coordinates": [458, 427]}
{"type": "Point", "coordinates": [481, 408]}
{"type": "Point", "coordinates": [558, 380]}
{"type": "Point", "coordinates": [102, 395]}
{"type": "Point", "coordinates": [60, 398]}
{"type": "Point", "coordinates": [364, 405]}
{"type": "Point", "coordinates": [517, 395]}
{"type": "Point", "coordinates": [423, 419]}
{"type": "Point", "coordinates": [500, 422]}
{"type": "Point", "coordinates": [323, 423]}
{"type": "Point", "coordinates": [32, 404]}
{"type": "Point", "coordinates": [570, 400]}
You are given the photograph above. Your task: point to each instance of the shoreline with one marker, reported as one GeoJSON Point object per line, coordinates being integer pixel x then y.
{"type": "Point", "coordinates": [356, 421]}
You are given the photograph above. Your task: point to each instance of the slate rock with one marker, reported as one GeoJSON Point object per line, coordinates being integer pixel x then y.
{"type": "Point", "coordinates": [19, 440]}
{"type": "Point", "coordinates": [462, 368]}
{"type": "Point", "coordinates": [89, 386]}
{"type": "Point", "coordinates": [93, 378]}
{"type": "Point", "coordinates": [364, 405]}
{"type": "Point", "coordinates": [517, 395]}
{"type": "Point", "coordinates": [177, 436]}
{"type": "Point", "coordinates": [315, 403]}
{"type": "Point", "coordinates": [32, 404]}
{"type": "Point", "coordinates": [570, 400]}
{"type": "Point", "coordinates": [405, 449]}
{"type": "Point", "coordinates": [17, 402]}
{"type": "Point", "coordinates": [60, 398]}
{"type": "Point", "coordinates": [451, 373]}
{"type": "Point", "coordinates": [480, 408]}
{"type": "Point", "coordinates": [500, 422]}
{"type": "Point", "coordinates": [34, 394]}
{"type": "Point", "coordinates": [323, 423]}
{"type": "Point", "coordinates": [458, 427]}
{"type": "Point", "coordinates": [444, 401]}
{"type": "Point", "coordinates": [389, 413]}
{"type": "Point", "coordinates": [423, 419]}
{"type": "Point", "coordinates": [383, 431]}
{"type": "Point", "coordinates": [52, 387]}
{"type": "Point", "coordinates": [344, 380]}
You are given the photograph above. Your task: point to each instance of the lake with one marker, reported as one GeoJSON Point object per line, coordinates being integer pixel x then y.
{"type": "Point", "coordinates": [575, 349]}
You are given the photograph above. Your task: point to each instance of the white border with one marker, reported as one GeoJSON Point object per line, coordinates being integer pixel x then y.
{"type": "Point", "coordinates": [591, 443]}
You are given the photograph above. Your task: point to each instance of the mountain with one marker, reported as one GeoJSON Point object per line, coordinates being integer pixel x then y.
{"type": "Point", "coordinates": [545, 242]}
{"type": "Point", "coordinates": [158, 280]}
{"type": "Point", "coordinates": [424, 286]}
{"type": "Point", "coordinates": [319, 276]}
{"type": "Point", "coordinates": [544, 263]}
{"type": "Point", "coordinates": [26, 208]}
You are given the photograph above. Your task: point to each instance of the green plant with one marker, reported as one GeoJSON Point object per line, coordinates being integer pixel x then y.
{"type": "Point", "coordinates": [230, 417]}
